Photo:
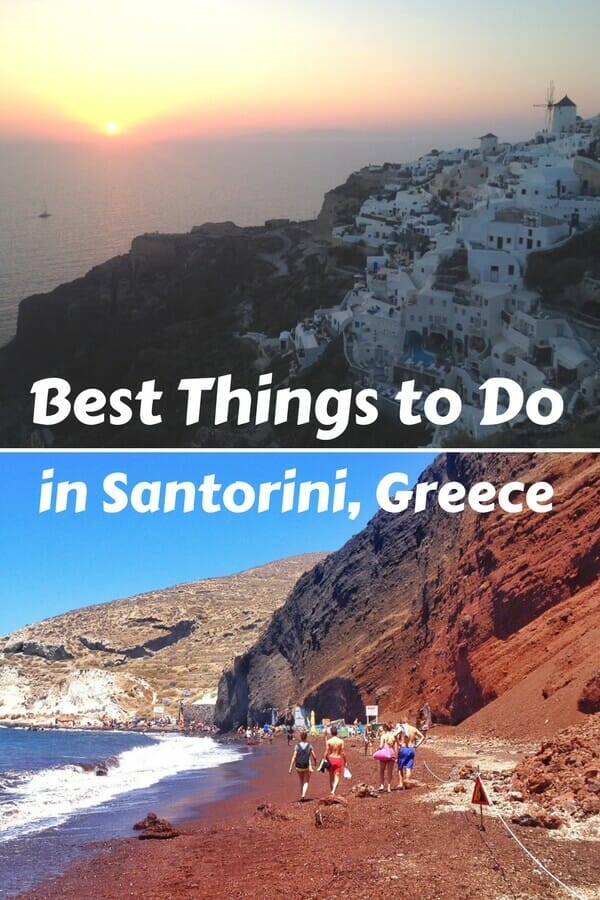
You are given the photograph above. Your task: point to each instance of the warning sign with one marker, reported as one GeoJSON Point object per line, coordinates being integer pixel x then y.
{"type": "Point", "coordinates": [479, 794]}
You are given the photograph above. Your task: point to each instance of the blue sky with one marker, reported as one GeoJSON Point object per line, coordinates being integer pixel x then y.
{"type": "Point", "coordinates": [52, 562]}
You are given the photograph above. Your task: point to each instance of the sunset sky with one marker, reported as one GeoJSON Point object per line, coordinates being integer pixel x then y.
{"type": "Point", "coordinates": [158, 69]}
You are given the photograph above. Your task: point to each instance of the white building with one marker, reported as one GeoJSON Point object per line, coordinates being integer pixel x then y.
{"type": "Point", "coordinates": [459, 314]}
{"type": "Point", "coordinates": [376, 335]}
{"type": "Point", "coordinates": [308, 344]}
{"type": "Point", "coordinates": [564, 116]}
{"type": "Point", "coordinates": [555, 188]}
{"type": "Point", "coordinates": [393, 284]}
{"type": "Point", "coordinates": [552, 177]}
{"type": "Point", "coordinates": [488, 144]}
{"type": "Point", "coordinates": [519, 231]}
{"type": "Point", "coordinates": [494, 266]}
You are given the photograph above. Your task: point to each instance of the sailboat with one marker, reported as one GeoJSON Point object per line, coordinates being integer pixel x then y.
{"type": "Point", "coordinates": [44, 214]}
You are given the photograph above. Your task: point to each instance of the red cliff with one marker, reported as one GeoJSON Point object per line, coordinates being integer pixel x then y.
{"type": "Point", "coordinates": [461, 610]}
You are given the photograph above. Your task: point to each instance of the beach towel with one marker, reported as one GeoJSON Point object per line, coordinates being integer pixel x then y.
{"type": "Point", "coordinates": [384, 753]}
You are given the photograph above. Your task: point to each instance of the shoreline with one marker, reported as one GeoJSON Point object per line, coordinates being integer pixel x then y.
{"type": "Point", "coordinates": [260, 841]}
{"type": "Point", "coordinates": [55, 821]}
{"type": "Point", "coordinates": [235, 788]}
{"type": "Point", "coordinates": [242, 781]}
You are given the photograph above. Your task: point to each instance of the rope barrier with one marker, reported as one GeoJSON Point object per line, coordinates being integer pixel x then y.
{"type": "Point", "coordinates": [431, 772]}
{"type": "Point", "coordinates": [453, 771]}
{"type": "Point", "coordinates": [538, 862]}
{"type": "Point", "coordinates": [505, 872]}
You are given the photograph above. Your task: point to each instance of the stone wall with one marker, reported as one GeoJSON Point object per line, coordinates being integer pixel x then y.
{"type": "Point", "coordinates": [197, 712]}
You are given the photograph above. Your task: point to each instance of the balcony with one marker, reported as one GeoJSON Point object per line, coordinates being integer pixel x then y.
{"type": "Point", "coordinates": [462, 297]}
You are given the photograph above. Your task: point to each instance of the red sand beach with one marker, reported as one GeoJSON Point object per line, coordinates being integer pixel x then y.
{"type": "Point", "coordinates": [402, 842]}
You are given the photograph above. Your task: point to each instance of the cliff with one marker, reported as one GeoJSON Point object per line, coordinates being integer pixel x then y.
{"type": "Point", "coordinates": [176, 306]}
{"type": "Point", "coordinates": [117, 659]}
{"type": "Point", "coordinates": [456, 609]}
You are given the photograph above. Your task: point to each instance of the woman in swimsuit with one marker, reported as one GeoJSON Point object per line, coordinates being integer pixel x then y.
{"type": "Point", "coordinates": [302, 758]}
{"type": "Point", "coordinates": [389, 744]}
{"type": "Point", "coordinates": [336, 756]}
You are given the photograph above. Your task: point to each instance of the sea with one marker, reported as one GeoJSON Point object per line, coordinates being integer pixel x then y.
{"type": "Point", "coordinates": [53, 805]}
{"type": "Point", "coordinates": [101, 195]}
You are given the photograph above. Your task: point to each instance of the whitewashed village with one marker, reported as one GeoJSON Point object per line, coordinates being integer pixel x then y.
{"type": "Point", "coordinates": [443, 299]}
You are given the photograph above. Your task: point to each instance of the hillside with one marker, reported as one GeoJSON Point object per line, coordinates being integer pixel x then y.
{"type": "Point", "coordinates": [175, 307]}
{"type": "Point", "coordinates": [115, 659]}
{"type": "Point", "coordinates": [458, 610]}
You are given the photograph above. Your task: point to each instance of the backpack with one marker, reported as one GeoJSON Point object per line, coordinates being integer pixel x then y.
{"type": "Point", "coordinates": [303, 756]}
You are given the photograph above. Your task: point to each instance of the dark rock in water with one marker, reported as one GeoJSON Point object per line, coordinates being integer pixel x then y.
{"type": "Point", "coordinates": [159, 835]}
{"type": "Point", "coordinates": [150, 819]}
{"type": "Point", "coordinates": [101, 771]}
{"type": "Point", "coordinates": [154, 827]}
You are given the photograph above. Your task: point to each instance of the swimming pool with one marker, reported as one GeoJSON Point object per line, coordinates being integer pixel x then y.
{"type": "Point", "coordinates": [416, 354]}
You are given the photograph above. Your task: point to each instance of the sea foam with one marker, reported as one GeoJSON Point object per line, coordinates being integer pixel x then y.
{"type": "Point", "coordinates": [34, 801]}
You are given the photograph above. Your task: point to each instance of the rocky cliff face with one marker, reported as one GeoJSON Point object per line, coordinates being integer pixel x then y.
{"type": "Point", "coordinates": [174, 307]}
{"type": "Point", "coordinates": [456, 609]}
{"type": "Point", "coordinates": [117, 659]}
{"type": "Point", "coordinates": [343, 202]}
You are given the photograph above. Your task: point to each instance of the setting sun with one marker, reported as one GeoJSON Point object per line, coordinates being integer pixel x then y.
{"type": "Point", "coordinates": [111, 128]}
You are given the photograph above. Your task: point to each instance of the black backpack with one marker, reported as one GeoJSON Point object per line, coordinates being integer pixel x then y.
{"type": "Point", "coordinates": [303, 756]}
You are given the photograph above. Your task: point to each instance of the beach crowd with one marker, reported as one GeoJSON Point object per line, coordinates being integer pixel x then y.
{"type": "Point", "coordinates": [393, 748]}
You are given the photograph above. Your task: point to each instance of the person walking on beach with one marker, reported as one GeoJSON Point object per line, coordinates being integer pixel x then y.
{"type": "Point", "coordinates": [302, 758]}
{"type": "Point", "coordinates": [425, 717]}
{"type": "Point", "coordinates": [368, 738]}
{"type": "Point", "coordinates": [409, 739]}
{"type": "Point", "coordinates": [385, 755]}
{"type": "Point", "coordinates": [336, 757]}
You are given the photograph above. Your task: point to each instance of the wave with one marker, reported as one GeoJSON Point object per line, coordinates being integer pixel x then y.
{"type": "Point", "coordinates": [34, 801]}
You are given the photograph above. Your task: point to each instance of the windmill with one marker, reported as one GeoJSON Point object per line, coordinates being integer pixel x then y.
{"type": "Point", "coordinates": [548, 105]}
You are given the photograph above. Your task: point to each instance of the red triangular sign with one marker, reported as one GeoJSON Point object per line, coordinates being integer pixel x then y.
{"type": "Point", "coordinates": [479, 794]}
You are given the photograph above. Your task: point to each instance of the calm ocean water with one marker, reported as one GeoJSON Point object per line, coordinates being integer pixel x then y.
{"type": "Point", "coordinates": [100, 196]}
{"type": "Point", "coordinates": [52, 802]}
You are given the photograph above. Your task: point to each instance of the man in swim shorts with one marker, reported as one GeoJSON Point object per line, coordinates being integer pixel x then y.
{"type": "Point", "coordinates": [409, 739]}
{"type": "Point", "coordinates": [336, 755]}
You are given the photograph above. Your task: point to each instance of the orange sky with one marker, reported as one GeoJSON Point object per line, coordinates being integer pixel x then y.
{"type": "Point", "coordinates": [189, 67]}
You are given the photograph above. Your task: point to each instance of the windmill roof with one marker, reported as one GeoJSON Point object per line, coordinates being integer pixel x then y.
{"type": "Point", "coordinates": [566, 101]}
{"type": "Point", "coordinates": [489, 134]}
